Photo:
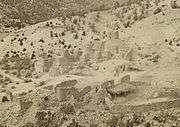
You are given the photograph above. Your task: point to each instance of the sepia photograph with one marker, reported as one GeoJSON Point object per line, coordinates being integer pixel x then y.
{"type": "Point", "coordinates": [89, 63]}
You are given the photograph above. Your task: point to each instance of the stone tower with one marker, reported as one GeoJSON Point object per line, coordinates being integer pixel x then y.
{"type": "Point", "coordinates": [39, 64]}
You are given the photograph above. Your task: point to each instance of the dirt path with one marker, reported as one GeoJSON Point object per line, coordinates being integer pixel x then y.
{"type": "Point", "coordinates": [145, 107]}
{"type": "Point", "coordinates": [2, 35]}
{"type": "Point", "coordinates": [12, 78]}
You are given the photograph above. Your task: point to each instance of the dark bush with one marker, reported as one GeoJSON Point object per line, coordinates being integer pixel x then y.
{"type": "Point", "coordinates": [5, 99]}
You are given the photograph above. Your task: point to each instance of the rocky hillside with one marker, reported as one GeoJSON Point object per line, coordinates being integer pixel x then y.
{"type": "Point", "coordinates": [17, 13]}
{"type": "Point", "coordinates": [112, 68]}
{"type": "Point", "coordinates": [34, 11]}
{"type": "Point", "coordinates": [75, 34]}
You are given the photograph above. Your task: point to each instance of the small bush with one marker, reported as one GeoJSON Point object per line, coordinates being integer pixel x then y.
{"type": "Point", "coordinates": [113, 122]}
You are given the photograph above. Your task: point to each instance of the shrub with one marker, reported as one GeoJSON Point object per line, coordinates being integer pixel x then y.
{"type": "Point", "coordinates": [67, 109]}
{"type": "Point", "coordinates": [113, 121]}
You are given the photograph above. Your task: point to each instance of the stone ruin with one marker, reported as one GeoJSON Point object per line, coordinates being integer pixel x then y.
{"type": "Point", "coordinates": [117, 47]}
{"type": "Point", "coordinates": [129, 55]}
{"type": "Point", "coordinates": [25, 104]}
{"type": "Point", "coordinates": [125, 79]}
{"type": "Point", "coordinates": [64, 92]}
{"type": "Point", "coordinates": [102, 94]}
{"type": "Point", "coordinates": [107, 84]}
{"type": "Point", "coordinates": [114, 67]}
{"type": "Point", "coordinates": [43, 65]}
{"type": "Point", "coordinates": [39, 64]}
{"type": "Point", "coordinates": [98, 97]}
{"type": "Point", "coordinates": [63, 64]}
{"type": "Point", "coordinates": [67, 89]}
{"type": "Point", "coordinates": [123, 87]}
{"type": "Point", "coordinates": [122, 68]}
{"type": "Point", "coordinates": [64, 89]}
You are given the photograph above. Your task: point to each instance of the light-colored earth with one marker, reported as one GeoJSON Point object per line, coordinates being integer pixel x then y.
{"type": "Point", "coordinates": [148, 51]}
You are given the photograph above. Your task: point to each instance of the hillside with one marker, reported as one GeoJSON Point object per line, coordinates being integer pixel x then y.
{"type": "Point", "coordinates": [35, 11]}
{"type": "Point", "coordinates": [113, 67]}
{"type": "Point", "coordinates": [22, 12]}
